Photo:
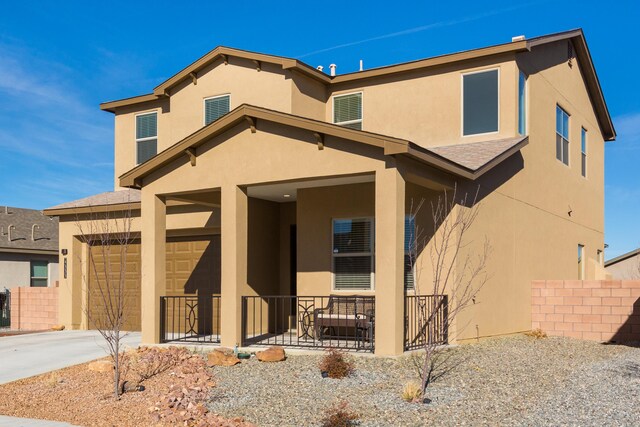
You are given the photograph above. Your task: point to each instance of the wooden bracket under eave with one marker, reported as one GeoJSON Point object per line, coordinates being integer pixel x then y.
{"type": "Point", "coordinates": [258, 64]}
{"type": "Point", "coordinates": [137, 182]}
{"type": "Point", "coordinates": [191, 152]}
{"type": "Point", "coordinates": [252, 123]}
{"type": "Point", "coordinates": [319, 140]}
{"type": "Point", "coordinates": [194, 78]}
{"type": "Point", "coordinates": [225, 59]}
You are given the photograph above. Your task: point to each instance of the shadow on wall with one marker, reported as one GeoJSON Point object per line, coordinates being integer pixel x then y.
{"type": "Point", "coordinates": [629, 332]}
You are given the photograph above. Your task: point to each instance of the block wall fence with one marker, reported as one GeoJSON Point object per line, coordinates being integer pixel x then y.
{"type": "Point", "coordinates": [598, 310]}
{"type": "Point", "coordinates": [34, 309]}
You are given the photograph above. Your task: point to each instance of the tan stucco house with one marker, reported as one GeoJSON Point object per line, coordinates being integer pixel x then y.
{"type": "Point", "coordinates": [259, 181]}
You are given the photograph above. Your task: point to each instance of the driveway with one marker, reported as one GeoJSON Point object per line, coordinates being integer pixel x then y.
{"type": "Point", "coordinates": [24, 356]}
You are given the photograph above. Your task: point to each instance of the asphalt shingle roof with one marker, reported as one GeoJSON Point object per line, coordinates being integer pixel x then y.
{"type": "Point", "coordinates": [129, 195]}
{"type": "Point", "coordinates": [474, 155]}
{"type": "Point", "coordinates": [24, 236]}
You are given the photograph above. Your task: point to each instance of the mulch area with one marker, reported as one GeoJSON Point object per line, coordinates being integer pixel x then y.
{"type": "Point", "coordinates": [84, 397]}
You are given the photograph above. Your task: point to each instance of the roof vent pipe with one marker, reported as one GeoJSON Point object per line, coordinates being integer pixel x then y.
{"type": "Point", "coordinates": [320, 68]}
{"type": "Point", "coordinates": [6, 210]}
{"type": "Point", "coordinates": [517, 38]}
{"type": "Point", "coordinates": [361, 65]}
{"type": "Point", "coordinates": [333, 69]}
{"type": "Point", "coordinates": [33, 231]}
{"type": "Point", "coordinates": [9, 231]}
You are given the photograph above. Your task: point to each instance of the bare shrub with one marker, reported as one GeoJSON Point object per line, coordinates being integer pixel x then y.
{"type": "Point", "coordinates": [457, 272]}
{"type": "Point", "coordinates": [336, 364]}
{"type": "Point", "coordinates": [339, 415]}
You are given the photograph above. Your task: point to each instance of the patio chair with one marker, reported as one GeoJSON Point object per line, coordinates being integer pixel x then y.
{"type": "Point", "coordinates": [346, 317]}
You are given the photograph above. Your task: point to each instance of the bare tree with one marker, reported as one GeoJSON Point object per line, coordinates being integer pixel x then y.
{"type": "Point", "coordinates": [458, 273]}
{"type": "Point", "coordinates": [107, 234]}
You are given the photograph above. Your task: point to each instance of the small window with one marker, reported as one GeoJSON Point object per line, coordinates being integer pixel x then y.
{"type": "Point", "coordinates": [580, 262]}
{"type": "Point", "coordinates": [353, 254]}
{"type": "Point", "coordinates": [216, 107]}
{"type": "Point", "coordinates": [562, 135]}
{"type": "Point", "coordinates": [409, 247]}
{"type": "Point", "coordinates": [347, 110]}
{"type": "Point", "coordinates": [522, 104]}
{"type": "Point", "coordinates": [583, 149]}
{"type": "Point", "coordinates": [146, 136]}
{"type": "Point", "coordinates": [39, 274]}
{"type": "Point", "coordinates": [480, 102]}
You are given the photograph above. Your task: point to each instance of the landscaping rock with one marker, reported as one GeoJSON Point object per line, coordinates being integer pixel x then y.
{"type": "Point", "coordinates": [272, 354]}
{"type": "Point", "coordinates": [58, 328]}
{"type": "Point", "coordinates": [220, 358]}
{"type": "Point", "coordinates": [100, 366]}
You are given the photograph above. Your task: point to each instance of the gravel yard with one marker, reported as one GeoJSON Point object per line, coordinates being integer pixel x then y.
{"type": "Point", "coordinates": [508, 381]}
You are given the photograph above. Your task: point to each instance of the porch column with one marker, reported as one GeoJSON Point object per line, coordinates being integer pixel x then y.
{"type": "Point", "coordinates": [234, 233]}
{"type": "Point", "coordinates": [389, 273]}
{"type": "Point", "coordinates": [154, 237]}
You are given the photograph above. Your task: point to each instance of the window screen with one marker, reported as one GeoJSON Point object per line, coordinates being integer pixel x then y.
{"type": "Point", "coordinates": [347, 110]}
{"type": "Point", "coordinates": [353, 254]}
{"type": "Point", "coordinates": [562, 135]}
{"type": "Point", "coordinates": [480, 102]}
{"type": "Point", "coordinates": [214, 108]}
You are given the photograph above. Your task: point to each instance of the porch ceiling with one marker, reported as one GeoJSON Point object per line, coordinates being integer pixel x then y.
{"type": "Point", "coordinates": [288, 191]}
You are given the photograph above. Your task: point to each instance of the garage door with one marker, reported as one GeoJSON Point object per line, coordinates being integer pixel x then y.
{"type": "Point", "coordinates": [193, 267]}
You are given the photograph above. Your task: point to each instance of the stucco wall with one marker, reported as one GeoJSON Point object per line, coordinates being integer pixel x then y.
{"type": "Point", "coordinates": [15, 269]}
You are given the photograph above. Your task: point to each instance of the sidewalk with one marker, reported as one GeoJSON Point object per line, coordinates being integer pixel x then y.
{"type": "Point", "coordinates": [28, 422]}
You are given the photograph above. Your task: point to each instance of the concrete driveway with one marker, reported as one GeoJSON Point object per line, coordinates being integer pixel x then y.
{"type": "Point", "coordinates": [24, 356]}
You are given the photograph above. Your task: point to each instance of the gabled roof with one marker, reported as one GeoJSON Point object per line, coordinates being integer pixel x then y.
{"type": "Point", "coordinates": [123, 199]}
{"type": "Point", "coordinates": [31, 231]}
{"type": "Point", "coordinates": [444, 160]}
{"type": "Point", "coordinates": [222, 52]}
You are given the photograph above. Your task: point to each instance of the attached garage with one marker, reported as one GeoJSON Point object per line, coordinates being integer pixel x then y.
{"type": "Point", "coordinates": [193, 268]}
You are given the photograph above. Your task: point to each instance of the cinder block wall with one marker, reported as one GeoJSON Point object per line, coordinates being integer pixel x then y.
{"type": "Point", "coordinates": [34, 309]}
{"type": "Point", "coordinates": [598, 310]}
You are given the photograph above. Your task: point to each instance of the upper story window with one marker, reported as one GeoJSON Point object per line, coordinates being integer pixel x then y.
{"type": "Point", "coordinates": [146, 136]}
{"type": "Point", "coordinates": [347, 110]}
{"type": "Point", "coordinates": [522, 103]}
{"type": "Point", "coordinates": [480, 102]}
{"type": "Point", "coordinates": [215, 107]}
{"type": "Point", "coordinates": [353, 254]}
{"type": "Point", "coordinates": [583, 148]}
{"type": "Point", "coordinates": [562, 135]}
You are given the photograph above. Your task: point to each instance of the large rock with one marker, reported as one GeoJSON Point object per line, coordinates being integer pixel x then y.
{"type": "Point", "coordinates": [272, 354]}
{"type": "Point", "coordinates": [57, 328]}
{"type": "Point", "coordinates": [101, 366]}
{"type": "Point", "coordinates": [220, 358]}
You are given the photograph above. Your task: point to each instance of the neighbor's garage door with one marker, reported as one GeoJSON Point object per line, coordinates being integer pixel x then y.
{"type": "Point", "coordinates": [193, 266]}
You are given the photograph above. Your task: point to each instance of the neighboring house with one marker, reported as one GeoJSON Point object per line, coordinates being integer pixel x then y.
{"type": "Point", "coordinates": [257, 175]}
{"type": "Point", "coordinates": [625, 267]}
{"type": "Point", "coordinates": [28, 248]}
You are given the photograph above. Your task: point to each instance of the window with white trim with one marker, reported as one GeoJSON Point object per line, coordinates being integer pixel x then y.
{"type": "Point", "coordinates": [522, 103]}
{"type": "Point", "coordinates": [583, 149]}
{"type": "Point", "coordinates": [216, 107]}
{"type": "Point", "coordinates": [562, 135]}
{"type": "Point", "coordinates": [347, 110]}
{"type": "Point", "coordinates": [480, 102]}
{"type": "Point", "coordinates": [146, 136]}
{"type": "Point", "coordinates": [353, 254]}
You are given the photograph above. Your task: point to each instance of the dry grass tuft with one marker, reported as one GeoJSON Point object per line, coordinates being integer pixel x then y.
{"type": "Point", "coordinates": [536, 333]}
{"type": "Point", "coordinates": [412, 392]}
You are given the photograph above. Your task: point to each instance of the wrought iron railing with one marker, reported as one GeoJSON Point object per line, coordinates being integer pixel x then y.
{"type": "Point", "coordinates": [346, 322]}
{"type": "Point", "coordinates": [190, 318]}
{"type": "Point", "coordinates": [425, 320]}
{"type": "Point", "coordinates": [5, 308]}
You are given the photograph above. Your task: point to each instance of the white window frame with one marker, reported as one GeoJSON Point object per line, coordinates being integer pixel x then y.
{"type": "Point", "coordinates": [135, 130]}
{"type": "Point", "coordinates": [348, 122]}
{"type": "Point", "coordinates": [352, 254]}
{"type": "Point", "coordinates": [462, 102]}
{"type": "Point", "coordinates": [584, 135]}
{"type": "Point", "coordinates": [568, 164]}
{"type": "Point", "coordinates": [526, 102]}
{"type": "Point", "coordinates": [204, 105]}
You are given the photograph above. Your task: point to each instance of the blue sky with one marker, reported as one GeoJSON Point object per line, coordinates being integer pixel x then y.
{"type": "Point", "coordinates": [59, 60]}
